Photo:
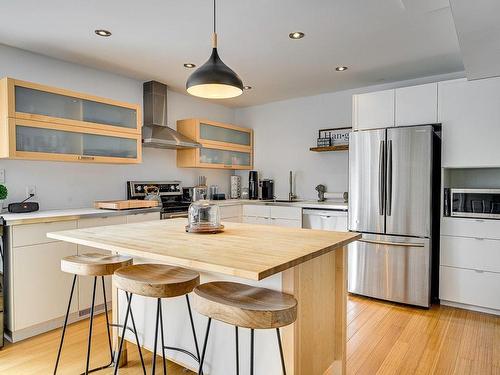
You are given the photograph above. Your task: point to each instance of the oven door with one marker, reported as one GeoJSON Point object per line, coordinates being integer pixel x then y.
{"type": "Point", "coordinates": [476, 203]}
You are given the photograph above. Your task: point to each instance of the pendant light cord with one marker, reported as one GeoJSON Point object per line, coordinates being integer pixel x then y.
{"type": "Point", "coordinates": [214, 17]}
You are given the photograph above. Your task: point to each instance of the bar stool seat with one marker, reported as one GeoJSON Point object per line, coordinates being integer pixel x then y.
{"type": "Point", "coordinates": [244, 305]}
{"type": "Point", "coordinates": [156, 280]}
{"type": "Point", "coordinates": [94, 264]}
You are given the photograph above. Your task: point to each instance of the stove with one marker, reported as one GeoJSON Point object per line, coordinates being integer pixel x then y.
{"type": "Point", "coordinates": [173, 204]}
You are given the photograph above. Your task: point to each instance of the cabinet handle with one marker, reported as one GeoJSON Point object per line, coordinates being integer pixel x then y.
{"type": "Point", "coordinates": [480, 220]}
{"type": "Point", "coordinates": [82, 157]}
{"type": "Point", "coordinates": [479, 238]}
{"type": "Point", "coordinates": [479, 271]}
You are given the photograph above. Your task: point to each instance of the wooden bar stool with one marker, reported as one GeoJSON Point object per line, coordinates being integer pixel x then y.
{"type": "Point", "coordinates": [157, 281]}
{"type": "Point", "coordinates": [92, 264]}
{"type": "Point", "coordinates": [244, 306]}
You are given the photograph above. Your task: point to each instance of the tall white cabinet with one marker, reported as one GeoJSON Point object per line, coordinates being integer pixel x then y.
{"type": "Point", "coordinates": [470, 114]}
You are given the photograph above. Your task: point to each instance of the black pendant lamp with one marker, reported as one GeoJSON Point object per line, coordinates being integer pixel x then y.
{"type": "Point", "coordinates": [214, 79]}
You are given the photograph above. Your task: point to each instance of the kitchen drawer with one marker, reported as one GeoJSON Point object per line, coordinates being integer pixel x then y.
{"type": "Point", "coordinates": [256, 220]}
{"type": "Point", "coordinates": [290, 223]}
{"type": "Point", "coordinates": [33, 234]}
{"type": "Point", "coordinates": [472, 253]}
{"type": "Point", "coordinates": [291, 213]}
{"type": "Point", "coordinates": [470, 287]}
{"type": "Point", "coordinates": [236, 219]}
{"type": "Point", "coordinates": [138, 218]}
{"type": "Point", "coordinates": [101, 221]}
{"type": "Point", "coordinates": [230, 211]}
{"type": "Point", "coordinates": [256, 210]}
{"type": "Point", "coordinates": [455, 226]}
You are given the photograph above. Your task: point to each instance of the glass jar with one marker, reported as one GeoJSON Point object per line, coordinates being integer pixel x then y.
{"type": "Point", "coordinates": [203, 216]}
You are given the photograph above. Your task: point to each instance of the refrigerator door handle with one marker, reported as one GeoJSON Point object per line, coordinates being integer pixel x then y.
{"type": "Point", "coordinates": [381, 177]}
{"type": "Point", "coordinates": [389, 178]}
{"type": "Point", "coordinates": [404, 244]}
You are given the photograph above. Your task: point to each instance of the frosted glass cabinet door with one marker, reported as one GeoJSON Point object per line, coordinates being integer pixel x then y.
{"type": "Point", "coordinates": [34, 139]}
{"type": "Point", "coordinates": [225, 135]}
{"type": "Point", "coordinates": [39, 102]}
{"type": "Point", "coordinates": [225, 157]}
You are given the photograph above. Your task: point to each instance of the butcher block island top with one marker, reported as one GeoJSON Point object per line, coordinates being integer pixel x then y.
{"type": "Point", "coordinates": [309, 264]}
{"type": "Point", "coordinates": [248, 251]}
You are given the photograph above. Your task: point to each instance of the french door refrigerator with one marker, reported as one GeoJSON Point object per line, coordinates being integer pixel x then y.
{"type": "Point", "coordinates": [391, 185]}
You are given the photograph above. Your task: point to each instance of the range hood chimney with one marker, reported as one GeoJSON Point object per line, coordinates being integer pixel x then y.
{"type": "Point", "coordinates": [155, 131]}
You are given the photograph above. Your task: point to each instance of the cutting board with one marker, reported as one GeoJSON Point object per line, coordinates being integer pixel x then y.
{"type": "Point", "coordinates": [125, 204]}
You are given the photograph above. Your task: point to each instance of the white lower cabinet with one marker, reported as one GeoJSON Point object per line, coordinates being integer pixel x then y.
{"type": "Point", "coordinates": [37, 291]}
{"type": "Point", "coordinates": [40, 288]}
{"type": "Point", "coordinates": [273, 215]}
{"type": "Point", "coordinates": [470, 287]}
{"type": "Point", "coordinates": [470, 271]}
{"type": "Point", "coordinates": [231, 214]}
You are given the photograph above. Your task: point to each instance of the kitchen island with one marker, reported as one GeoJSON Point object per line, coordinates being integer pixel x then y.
{"type": "Point", "coordinates": [309, 264]}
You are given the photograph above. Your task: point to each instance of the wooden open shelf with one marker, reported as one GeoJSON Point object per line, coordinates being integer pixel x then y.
{"type": "Point", "coordinates": [330, 148]}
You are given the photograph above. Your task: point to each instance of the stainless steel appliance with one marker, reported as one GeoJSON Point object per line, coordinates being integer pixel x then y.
{"type": "Point", "coordinates": [253, 185]}
{"type": "Point", "coordinates": [475, 203]}
{"type": "Point", "coordinates": [172, 202]}
{"type": "Point", "coordinates": [393, 189]}
{"type": "Point", "coordinates": [155, 132]}
{"type": "Point", "coordinates": [1, 282]}
{"type": "Point", "coordinates": [267, 189]}
{"type": "Point", "coordinates": [334, 220]}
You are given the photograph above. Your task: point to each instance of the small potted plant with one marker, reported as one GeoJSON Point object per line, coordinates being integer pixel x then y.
{"type": "Point", "coordinates": [3, 195]}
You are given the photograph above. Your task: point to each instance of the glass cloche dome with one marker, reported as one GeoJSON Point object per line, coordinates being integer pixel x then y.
{"type": "Point", "coordinates": [204, 216]}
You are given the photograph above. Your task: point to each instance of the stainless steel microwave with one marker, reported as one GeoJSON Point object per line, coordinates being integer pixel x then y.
{"type": "Point", "coordinates": [476, 203]}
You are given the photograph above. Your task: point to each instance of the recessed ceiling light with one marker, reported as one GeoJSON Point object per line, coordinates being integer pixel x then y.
{"type": "Point", "coordinates": [296, 35]}
{"type": "Point", "coordinates": [189, 65]}
{"type": "Point", "coordinates": [341, 68]}
{"type": "Point", "coordinates": [247, 87]}
{"type": "Point", "coordinates": [102, 32]}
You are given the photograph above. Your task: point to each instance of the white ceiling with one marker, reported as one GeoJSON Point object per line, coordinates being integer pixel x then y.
{"type": "Point", "coordinates": [380, 41]}
{"type": "Point", "coordinates": [478, 29]}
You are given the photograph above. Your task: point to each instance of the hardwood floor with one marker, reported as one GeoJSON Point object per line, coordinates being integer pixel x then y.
{"type": "Point", "coordinates": [383, 338]}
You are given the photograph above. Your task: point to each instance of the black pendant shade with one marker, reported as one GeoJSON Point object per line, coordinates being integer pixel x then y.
{"type": "Point", "coordinates": [214, 79]}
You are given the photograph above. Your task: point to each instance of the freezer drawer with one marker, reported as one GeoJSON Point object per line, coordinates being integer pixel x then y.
{"type": "Point", "coordinates": [392, 268]}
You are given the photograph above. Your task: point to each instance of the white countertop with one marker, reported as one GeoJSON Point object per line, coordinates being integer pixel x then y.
{"type": "Point", "coordinates": [326, 205]}
{"type": "Point", "coordinates": [69, 214]}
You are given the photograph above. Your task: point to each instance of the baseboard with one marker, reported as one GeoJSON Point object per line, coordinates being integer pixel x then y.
{"type": "Point", "coordinates": [470, 307]}
{"type": "Point", "coordinates": [50, 325]}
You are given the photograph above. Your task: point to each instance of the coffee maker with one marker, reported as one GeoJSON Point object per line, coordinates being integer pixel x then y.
{"type": "Point", "coordinates": [267, 189]}
{"type": "Point", "coordinates": [253, 185]}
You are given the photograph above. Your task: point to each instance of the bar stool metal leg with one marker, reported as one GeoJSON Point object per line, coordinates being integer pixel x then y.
{"type": "Point", "coordinates": [160, 308]}
{"type": "Point", "coordinates": [153, 368]}
{"type": "Point", "coordinates": [237, 351]}
{"type": "Point", "coordinates": [252, 333]}
{"type": "Point", "coordinates": [122, 339]}
{"type": "Point", "coordinates": [200, 370]}
{"type": "Point", "coordinates": [281, 351]}
{"type": "Point", "coordinates": [90, 327]}
{"type": "Point", "coordinates": [129, 296]}
{"type": "Point", "coordinates": [193, 329]}
{"type": "Point", "coordinates": [65, 324]}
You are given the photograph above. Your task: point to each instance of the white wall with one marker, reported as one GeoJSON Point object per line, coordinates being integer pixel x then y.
{"type": "Point", "coordinates": [72, 185]}
{"type": "Point", "coordinates": [285, 130]}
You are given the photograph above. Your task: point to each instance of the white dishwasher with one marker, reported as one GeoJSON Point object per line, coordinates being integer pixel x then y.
{"type": "Point", "coordinates": [334, 220]}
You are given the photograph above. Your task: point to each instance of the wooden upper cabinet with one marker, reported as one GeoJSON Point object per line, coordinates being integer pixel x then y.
{"type": "Point", "coordinates": [47, 123]}
{"type": "Point", "coordinates": [224, 146]}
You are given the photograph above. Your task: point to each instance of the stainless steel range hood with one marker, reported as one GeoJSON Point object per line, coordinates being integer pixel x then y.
{"type": "Point", "coordinates": [155, 131]}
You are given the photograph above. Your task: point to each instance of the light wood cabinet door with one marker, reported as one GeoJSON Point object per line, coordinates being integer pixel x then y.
{"type": "Point", "coordinates": [373, 110]}
{"type": "Point", "coordinates": [470, 114]}
{"type": "Point", "coordinates": [41, 289]}
{"type": "Point", "coordinates": [417, 105]}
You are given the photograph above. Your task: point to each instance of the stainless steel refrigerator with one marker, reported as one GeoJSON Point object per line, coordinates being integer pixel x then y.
{"type": "Point", "coordinates": [392, 185]}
